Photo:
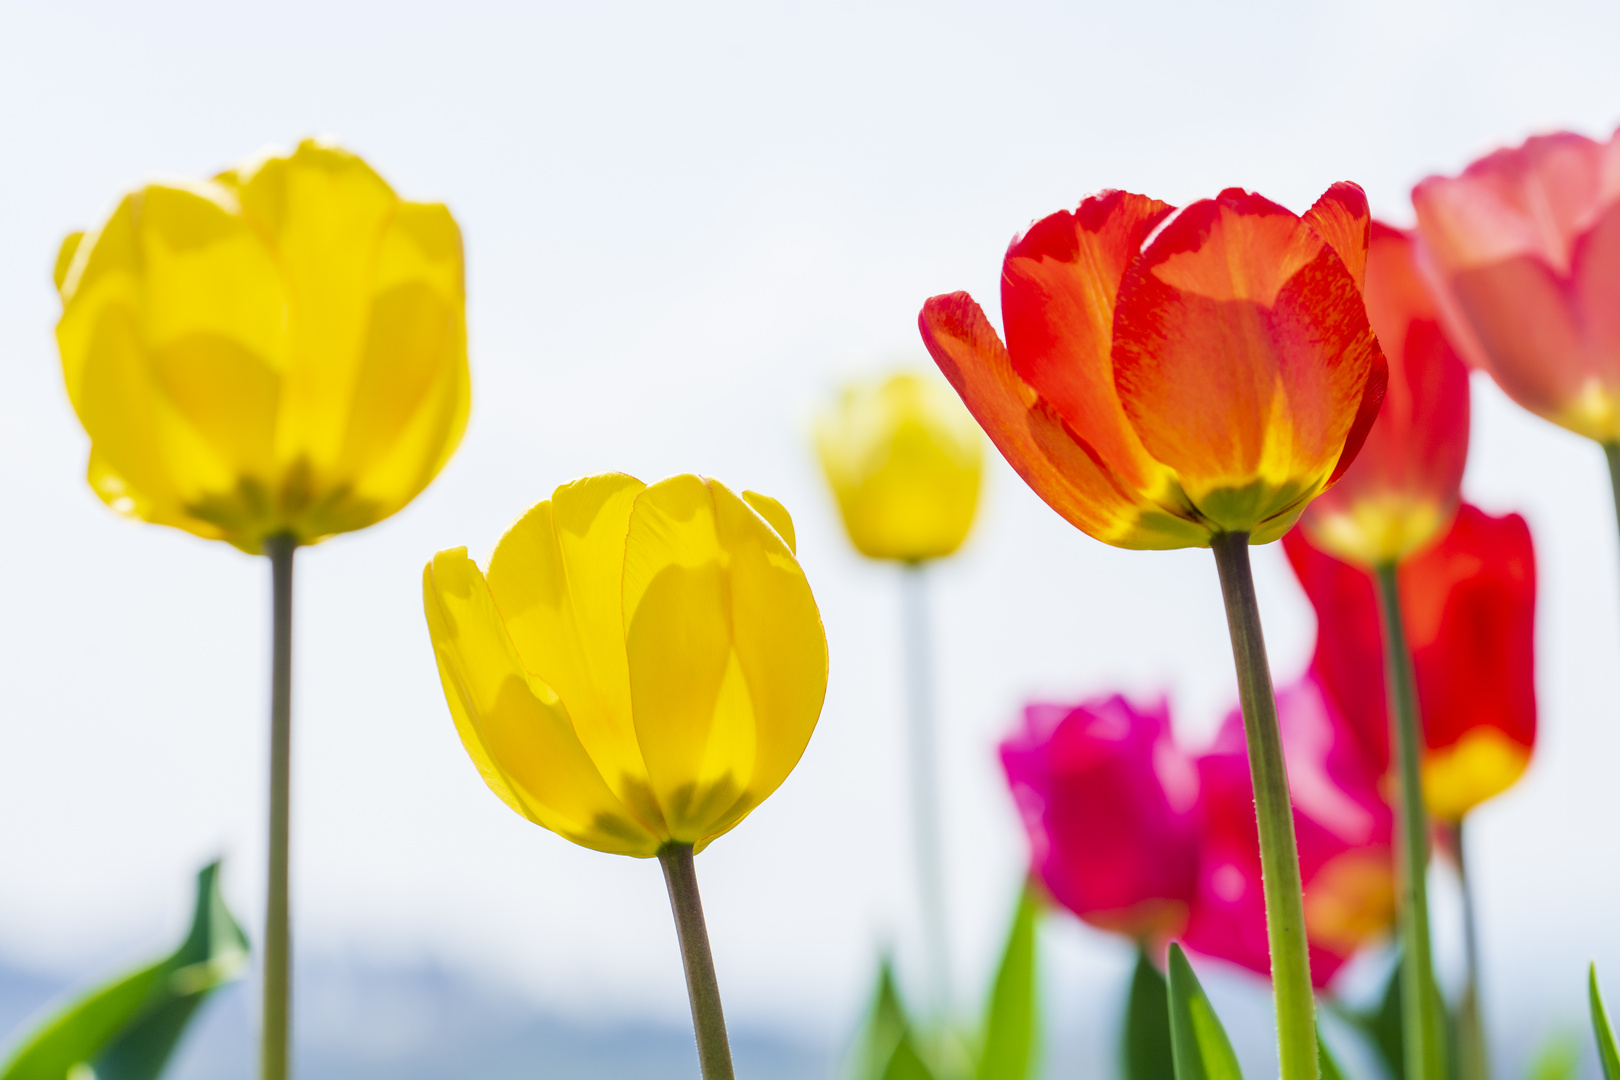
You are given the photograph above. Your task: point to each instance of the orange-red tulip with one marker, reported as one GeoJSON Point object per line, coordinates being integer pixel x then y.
{"type": "Point", "coordinates": [1468, 606]}
{"type": "Point", "coordinates": [1402, 491]}
{"type": "Point", "coordinates": [1525, 246]}
{"type": "Point", "coordinates": [1171, 376]}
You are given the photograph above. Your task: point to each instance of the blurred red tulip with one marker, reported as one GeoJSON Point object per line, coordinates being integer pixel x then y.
{"type": "Point", "coordinates": [1402, 491]}
{"type": "Point", "coordinates": [1109, 802]}
{"type": "Point", "coordinates": [1170, 376]}
{"type": "Point", "coordinates": [1468, 605]}
{"type": "Point", "coordinates": [1343, 830]}
{"type": "Point", "coordinates": [1525, 245]}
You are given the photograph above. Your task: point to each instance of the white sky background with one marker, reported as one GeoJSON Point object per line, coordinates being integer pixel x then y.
{"type": "Point", "coordinates": [683, 225]}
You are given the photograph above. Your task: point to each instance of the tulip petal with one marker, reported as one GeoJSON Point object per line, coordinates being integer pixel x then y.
{"type": "Point", "coordinates": [170, 336]}
{"type": "Point", "coordinates": [1059, 283]}
{"type": "Point", "coordinates": [410, 398]}
{"type": "Point", "coordinates": [556, 577]}
{"type": "Point", "coordinates": [1243, 357]}
{"type": "Point", "coordinates": [1341, 218]}
{"type": "Point", "coordinates": [1054, 461]}
{"type": "Point", "coordinates": [727, 658]}
{"type": "Point", "coordinates": [776, 514]}
{"type": "Point", "coordinates": [324, 213]}
{"type": "Point", "coordinates": [513, 726]}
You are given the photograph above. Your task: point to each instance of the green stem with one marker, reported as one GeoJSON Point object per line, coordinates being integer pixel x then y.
{"type": "Point", "coordinates": [925, 786]}
{"type": "Point", "coordinates": [1471, 1044]}
{"type": "Point", "coordinates": [1279, 854]}
{"type": "Point", "coordinates": [273, 1051]}
{"type": "Point", "coordinates": [1420, 1002]}
{"type": "Point", "coordinates": [1611, 451]}
{"type": "Point", "coordinates": [702, 988]}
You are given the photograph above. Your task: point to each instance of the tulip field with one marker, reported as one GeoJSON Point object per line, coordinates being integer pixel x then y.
{"type": "Point", "coordinates": [278, 356]}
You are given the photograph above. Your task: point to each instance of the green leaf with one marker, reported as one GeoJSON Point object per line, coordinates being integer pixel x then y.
{"type": "Point", "coordinates": [1326, 1063]}
{"type": "Point", "coordinates": [1145, 1043]}
{"type": "Point", "coordinates": [888, 1050]}
{"type": "Point", "coordinates": [1010, 1019]}
{"type": "Point", "coordinates": [1197, 1039]}
{"type": "Point", "coordinates": [1558, 1059]}
{"type": "Point", "coordinates": [126, 1029]}
{"type": "Point", "coordinates": [1600, 1028]}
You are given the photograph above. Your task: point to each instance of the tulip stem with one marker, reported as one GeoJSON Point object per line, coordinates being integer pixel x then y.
{"type": "Point", "coordinates": [1279, 854]}
{"type": "Point", "coordinates": [275, 1038]}
{"type": "Point", "coordinates": [925, 784]}
{"type": "Point", "coordinates": [1471, 1044]}
{"type": "Point", "coordinates": [702, 988]}
{"type": "Point", "coordinates": [1611, 451]}
{"type": "Point", "coordinates": [1420, 1002]}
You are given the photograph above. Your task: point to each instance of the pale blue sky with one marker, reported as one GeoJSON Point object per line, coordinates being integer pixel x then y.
{"type": "Point", "coordinates": [683, 224]}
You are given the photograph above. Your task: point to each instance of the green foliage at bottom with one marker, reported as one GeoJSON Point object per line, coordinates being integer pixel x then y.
{"type": "Point", "coordinates": [1198, 1042]}
{"type": "Point", "coordinates": [1144, 1051]}
{"type": "Point", "coordinates": [127, 1028]}
{"type": "Point", "coordinates": [1600, 1028]}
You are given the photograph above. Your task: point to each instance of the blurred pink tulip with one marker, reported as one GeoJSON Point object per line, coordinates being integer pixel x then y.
{"type": "Point", "coordinates": [1110, 804]}
{"type": "Point", "coordinates": [1343, 830]}
{"type": "Point", "coordinates": [1525, 249]}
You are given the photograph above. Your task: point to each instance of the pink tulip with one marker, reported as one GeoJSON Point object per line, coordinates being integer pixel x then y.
{"type": "Point", "coordinates": [1343, 830]}
{"type": "Point", "coordinates": [1525, 249]}
{"type": "Point", "coordinates": [1110, 804]}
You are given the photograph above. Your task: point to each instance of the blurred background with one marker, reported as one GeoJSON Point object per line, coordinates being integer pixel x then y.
{"type": "Point", "coordinates": [684, 225]}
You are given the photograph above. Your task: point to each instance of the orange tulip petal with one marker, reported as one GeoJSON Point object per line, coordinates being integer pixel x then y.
{"type": "Point", "coordinates": [1052, 459]}
{"type": "Point", "coordinates": [1341, 218]}
{"type": "Point", "coordinates": [1244, 360]}
{"type": "Point", "coordinates": [1058, 286]}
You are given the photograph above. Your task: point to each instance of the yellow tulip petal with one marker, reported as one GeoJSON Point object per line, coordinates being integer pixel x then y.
{"type": "Point", "coordinates": [775, 513]}
{"type": "Point", "coordinates": [514, 727]}
{"type": "Point", "coordinates": [556, 578]}
{"type": "Point", "coordinates": [324, 213]}
{"type": "Point", "coordinates": [779, 644]}
{"type": "Point", "coordinates": [410, 397]}
{"type": "Point", "coordinates": [64, 260]}
{"type": "Point", "coordinates": [677, 622]}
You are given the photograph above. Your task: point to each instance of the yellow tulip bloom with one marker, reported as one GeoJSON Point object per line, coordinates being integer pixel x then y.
{"type": "Point", "coordinates": [278, 350]}
{"type": "Point", "coordinates": [904, 458]}
{"type": "Point", "coordinates": [640, 665]}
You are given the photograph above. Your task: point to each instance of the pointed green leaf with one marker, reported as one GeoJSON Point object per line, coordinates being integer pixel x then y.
{"type": "Point", "coordinates": [1198, 1042]}
{"type": "Point", "coordinates": [905, 1063]}
{"type": "Point", "coordinates": [127, 1029]}
{"type": "Point", "coordinates": [884, 1029]}
{"type": "Point", "coordinates": [1009, 1023]}
{"type": "Point", "coordinates": [1145, 1043]}
{"type": "Point", "coordinates": [1558, 1059]}
{"type": "Point", "coordinates": [1326, 1063]}
{"type": "Point", "coordinates": [1600, 1028]}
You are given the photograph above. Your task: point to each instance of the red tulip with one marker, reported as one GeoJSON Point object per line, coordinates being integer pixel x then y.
{"type": "Point", "coordinates": [1468, 606]}
{"type": "Point", "coordinates": [1109, 803]}
{"type": "Point", "coordinates": [1169, 376]}
{"type": "Point", "coordinates": [1343, 830]}
{"type": "Point", "coordinates": [1525, 245]}
{"type": "Point", "coordinates": [1402, 491]}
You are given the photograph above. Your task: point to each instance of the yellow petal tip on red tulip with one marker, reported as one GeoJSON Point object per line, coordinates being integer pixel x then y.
{"type": "Point", "coordinates": [905, 460]}
{"type": "Point", "coordinates": [278, 350]}
{"type": "Point", "coordinates": [639, 664]}
{"type": "Point", "coordinates": [1479, 766]}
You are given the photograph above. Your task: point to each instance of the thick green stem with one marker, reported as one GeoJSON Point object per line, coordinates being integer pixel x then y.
{"type": "Point", "coordinates": [1471, 1045]}
{"type": "Point", "coordinates": [1279, 854]}
{"type": "Point", "coordinates": [1611, 451]}
{"type": "Point", "coordinates": [702, 988]}
{"type": "Point", "coordinates": [275, 1037]}
{"type": "Point", "coordinates": [1420, 1002]}
{"type": "Point", "coordinates": [925, 786]}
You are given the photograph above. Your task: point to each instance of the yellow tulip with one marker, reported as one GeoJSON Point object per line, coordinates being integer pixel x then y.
{"type": "Point", "coordinates": [640, 665]}
{"type": "Point", "coordinates": [280, 350]}
{"type": "Point", "coordinates": [904, 458]}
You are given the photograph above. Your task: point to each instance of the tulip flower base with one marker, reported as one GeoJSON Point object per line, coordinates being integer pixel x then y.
{"type": "Point", "coordinates": [702, 988]}
{"type": "Point", "coordinates": [1279, 853]}
{"type": "Point", "coordinates": [1424, 1050]}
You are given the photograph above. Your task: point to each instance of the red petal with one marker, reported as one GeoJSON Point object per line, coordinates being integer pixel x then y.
{"type": "Point", "coordinates": [1059, 465]}
{"type": "Point", "coordinates": [1341, 218]}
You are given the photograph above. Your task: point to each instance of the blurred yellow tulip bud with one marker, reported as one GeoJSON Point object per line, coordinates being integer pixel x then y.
{"type": "Point", "coordinates": [904, 458]}
{"type": "Point", "coordinates": [640, 665]}
{"type": "Point", "coordinates": [279, 350]}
